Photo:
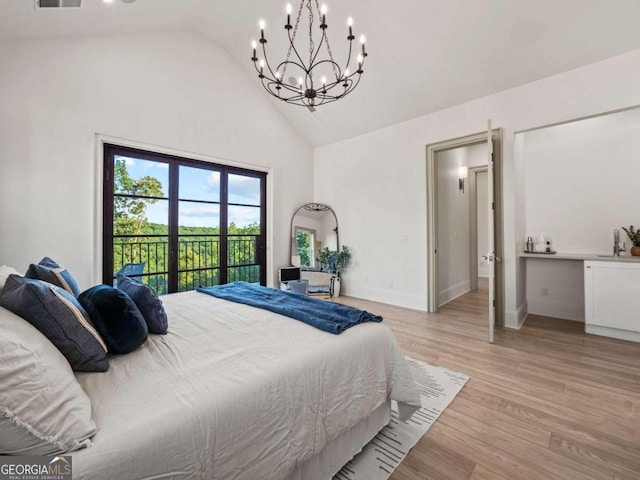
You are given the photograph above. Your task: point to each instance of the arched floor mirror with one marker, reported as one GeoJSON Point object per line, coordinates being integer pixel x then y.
{"type": "Point", "coordinates": [314, 226]}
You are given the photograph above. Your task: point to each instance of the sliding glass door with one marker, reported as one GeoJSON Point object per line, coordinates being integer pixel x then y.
{"type": "Point", "coordinates": [177, 224]}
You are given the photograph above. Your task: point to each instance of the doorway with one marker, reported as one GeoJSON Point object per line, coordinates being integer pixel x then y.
{"type": "Point", "coordinates": [181, 223]}
{"type": "Point", "coordinates": [478, 225]}
{"type": "Point", "coordinates": [460, 243]}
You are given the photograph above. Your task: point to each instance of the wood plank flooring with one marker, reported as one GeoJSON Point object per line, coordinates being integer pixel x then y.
{"type": "Point", "coordinates": [545, 402]}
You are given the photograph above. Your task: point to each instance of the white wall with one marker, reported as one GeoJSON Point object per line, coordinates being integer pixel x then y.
{"type": "Point", "coordinates": [581, 183]}
{"type": "Point", "coordinates": [555, 288]}
{"type": "Point", "coordinates": [454, 238]}
{"type": "Point", "coordinates": [173, 90]}
{"type": "Point", "coordinates": [377, 182]}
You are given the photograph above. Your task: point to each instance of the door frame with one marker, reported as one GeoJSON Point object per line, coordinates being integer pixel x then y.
{"type": "Point", "coordinates": [174, 162]}
{"type": "Point", "coordinates": [432, 215]}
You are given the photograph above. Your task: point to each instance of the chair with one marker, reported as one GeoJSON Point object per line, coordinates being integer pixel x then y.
{"type": "Point", "coordinates": [131, 270]}
{"type": "Point", "coordinates": [299, 286]}
{"type": "Point", "coordinates": [320, 283]}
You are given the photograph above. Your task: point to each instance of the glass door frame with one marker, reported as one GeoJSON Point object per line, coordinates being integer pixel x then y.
{"type": "Point", "coordinates": [174, 161]}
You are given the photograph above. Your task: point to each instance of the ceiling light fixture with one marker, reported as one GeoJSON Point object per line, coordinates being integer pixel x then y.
{"type": "Point", "coordinates": [316, 79]}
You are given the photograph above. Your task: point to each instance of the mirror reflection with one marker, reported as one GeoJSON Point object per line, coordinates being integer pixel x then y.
{"type": "Point", "coordinates": [314, 226]}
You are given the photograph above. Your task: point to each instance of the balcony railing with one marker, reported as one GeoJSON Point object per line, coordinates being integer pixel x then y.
{"type": "Point", "coordinates": [198, 260]}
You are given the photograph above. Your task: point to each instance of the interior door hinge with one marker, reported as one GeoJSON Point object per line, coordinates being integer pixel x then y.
{"type": "Point", "coordinates": [493, 206]}
{"type": "Point", "coordinates": [494, 303]}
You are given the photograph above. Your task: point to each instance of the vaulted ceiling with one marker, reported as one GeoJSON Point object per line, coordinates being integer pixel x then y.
{"type": "Point", "coordinates": [424, 55]}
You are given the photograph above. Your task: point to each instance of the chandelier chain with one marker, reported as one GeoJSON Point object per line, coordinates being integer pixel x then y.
{"type": "Point", "coordinates": [326, 38]}
{"type": "Point", "coordinates": [311, 44]}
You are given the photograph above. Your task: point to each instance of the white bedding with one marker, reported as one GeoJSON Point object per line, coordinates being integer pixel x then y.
{"type": "Point", "coordinates": [235, 392]}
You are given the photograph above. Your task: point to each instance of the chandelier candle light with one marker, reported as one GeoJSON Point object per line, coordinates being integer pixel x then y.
{"type": "Point", "coordinates": [315, 81]}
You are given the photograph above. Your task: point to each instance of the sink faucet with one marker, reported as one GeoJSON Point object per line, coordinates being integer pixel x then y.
{"type": "Point", "coordinates": [616, 244]}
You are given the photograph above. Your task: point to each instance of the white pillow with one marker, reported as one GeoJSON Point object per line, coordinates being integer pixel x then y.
{"type": "Point", "coordinates": [5, 271]}
{"type": "Point", "coordinates": [43, 409]}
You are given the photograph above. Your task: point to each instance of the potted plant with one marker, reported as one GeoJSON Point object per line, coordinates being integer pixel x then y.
{"type": "Point", "coordinates": [324, 257]}
{"type": "Point", "coordinates": [334, 261]}
{"type": "Point", "coordinates": [634, 236]}
{"type": "Point", "coordinates": [342, 259]}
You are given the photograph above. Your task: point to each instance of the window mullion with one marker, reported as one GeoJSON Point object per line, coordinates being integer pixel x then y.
{"type": "Point", "coordinates": [174, 255]}
{"type": "Point", "coordinates": [224, 229]}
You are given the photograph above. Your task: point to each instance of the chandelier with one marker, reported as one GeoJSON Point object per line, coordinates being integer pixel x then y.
{"type": "Point", "coordinates": [309, 77]}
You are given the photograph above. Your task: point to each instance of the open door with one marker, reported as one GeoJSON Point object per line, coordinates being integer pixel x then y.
{"type": "Point", "coordinates": [493, 253]}
{"type": "Point", "coordinates": [491, 249]}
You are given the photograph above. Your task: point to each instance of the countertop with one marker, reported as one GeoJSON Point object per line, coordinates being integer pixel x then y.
{"type": "Point", "coordinates": [625, 257]}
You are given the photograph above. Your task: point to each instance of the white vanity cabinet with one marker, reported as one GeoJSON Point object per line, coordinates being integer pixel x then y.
{"type": "Point", "coordinates": [612, 299]}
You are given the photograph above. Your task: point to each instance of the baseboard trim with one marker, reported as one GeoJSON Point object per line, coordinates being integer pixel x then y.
{"type": "Point", "coordinates": [389, 296]}
{"type": "Point", "coordinates": [565, 311]}
{"type": "Point", "coordinates": [613, 333]}
{"type": "Point", "coordinates": [515, 319]}
{"type": "Point", "coordinates": [453, 292]}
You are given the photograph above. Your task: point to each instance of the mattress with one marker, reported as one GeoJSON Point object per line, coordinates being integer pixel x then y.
{"type": "Point", "coordinates": [235, 392]}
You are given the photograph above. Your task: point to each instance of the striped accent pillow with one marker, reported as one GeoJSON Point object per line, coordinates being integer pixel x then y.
{"type": "Point", "coordinates": [59, 316]}
{"type": "Point", "coordinates": [48, 270]}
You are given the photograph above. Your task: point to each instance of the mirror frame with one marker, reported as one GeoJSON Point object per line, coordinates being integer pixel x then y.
{"type": "Point", "coordinates": [312, 207]}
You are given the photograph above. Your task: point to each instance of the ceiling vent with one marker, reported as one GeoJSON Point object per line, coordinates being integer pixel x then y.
{"type": "Point", "coordinates": [58, 3]}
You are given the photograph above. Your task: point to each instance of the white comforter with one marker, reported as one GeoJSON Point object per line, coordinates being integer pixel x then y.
{"type": "Point", "coordinates": [235, 392]}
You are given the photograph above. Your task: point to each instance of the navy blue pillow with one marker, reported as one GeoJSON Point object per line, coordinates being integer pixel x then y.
{"type": "Point", "coordinates": [148, 302]}
{"type": "Point", "coordinates": [60, 318]}
{"type": "Point", "coordinates": [116, 317]}
{"type": "Point", "coordinates": [49, 271]}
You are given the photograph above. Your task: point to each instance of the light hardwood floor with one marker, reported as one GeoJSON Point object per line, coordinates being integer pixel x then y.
{"type": "Point", "coordinates": [544, 402]}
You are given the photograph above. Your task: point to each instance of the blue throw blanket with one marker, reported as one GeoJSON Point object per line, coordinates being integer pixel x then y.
{"type": "Point", "coordinates": [328, 316]}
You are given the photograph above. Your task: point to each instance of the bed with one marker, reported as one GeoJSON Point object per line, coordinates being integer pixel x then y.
{"type": "Point", "coordinates": [236, 392]}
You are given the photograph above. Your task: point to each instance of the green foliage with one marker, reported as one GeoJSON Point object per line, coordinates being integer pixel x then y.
{"type": "Point", "coordinates": [332, 260]}
{"type": "Point", "coordinates": [198, 255]}
{"type": "Point", "coordinates": [198, 247]}
{"type": "Point", "coordinates": [303, 248]}
{"type": "Point", "coordinates": [129, 214]}
{"type": "Point", "coordinates": [633, 234]}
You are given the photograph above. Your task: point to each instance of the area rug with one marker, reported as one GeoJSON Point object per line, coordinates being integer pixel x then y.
{"type": "Point", "coordinates": [438, 387]}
